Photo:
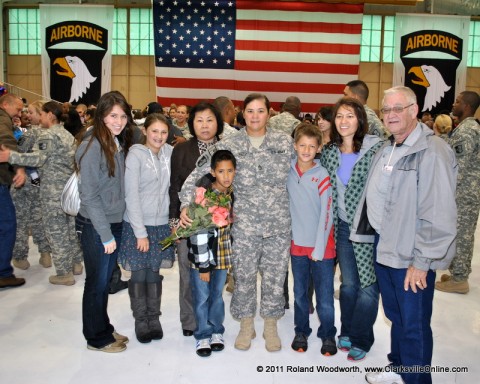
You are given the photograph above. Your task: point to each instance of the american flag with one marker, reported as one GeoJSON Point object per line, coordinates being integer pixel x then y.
{"type": "Point", "coordinates": [210, 48]}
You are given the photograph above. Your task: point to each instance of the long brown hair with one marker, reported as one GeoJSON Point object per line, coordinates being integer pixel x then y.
{"type": "Point", "coordinates": [103, 135]}
{"type": "Point", "coordinates": [359, 112]}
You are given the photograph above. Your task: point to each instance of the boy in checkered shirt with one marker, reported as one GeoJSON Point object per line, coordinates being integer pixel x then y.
{"type": "Point", "coordinates": [211, 255]}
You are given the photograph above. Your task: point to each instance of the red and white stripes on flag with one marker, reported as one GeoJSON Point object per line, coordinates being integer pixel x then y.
{"type": "Point", "coordinates": [310, 50]}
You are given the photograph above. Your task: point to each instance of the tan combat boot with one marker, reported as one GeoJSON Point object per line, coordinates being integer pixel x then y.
{"type": "Point", "coordinates": [77, 268]}
{"type": "Point", "coordinates": [453, 286]}
{"type": "Point", "coordinates": [62, 280]}
{"type": "Point", "coordinates": [45, 260]}
{"type": "Point", "coordinates": [270, 334]}
{"type": "Point", "coordinates": [246, 334]}
{"type": "Point", "coordinates": [21, 263]}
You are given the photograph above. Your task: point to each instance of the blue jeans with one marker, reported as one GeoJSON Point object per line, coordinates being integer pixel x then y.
{"type": "Point", "coordinates": [208, 303]}
{"type": "Point", "coordinates": [8, 231]}
{"type": "Point", "coordinates": [410, 314]}
{"type": "Point", "coordinates": [98, 270]}
{"type": "Point", "coordinates": [358, 306]}
{"type": "Point", "coordinates": [322, 274]}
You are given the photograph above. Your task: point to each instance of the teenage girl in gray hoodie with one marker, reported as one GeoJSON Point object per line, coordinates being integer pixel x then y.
{"type": "Point", "coordinates": [145, 223]}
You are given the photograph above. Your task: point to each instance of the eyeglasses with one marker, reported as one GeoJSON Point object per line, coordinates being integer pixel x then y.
{"type": "Point", "coordinates": [396, 109]}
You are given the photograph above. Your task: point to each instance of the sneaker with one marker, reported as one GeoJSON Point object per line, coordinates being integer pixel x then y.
{"type": "Point", "coordinates": [329, 347]}
{"type": "Point", "coordinates": [344, 343]}
{"type": "Point", "coordinates": [116, 346]}
{"type": "Point", "coordinates": [356, 354]}
{"type": "Point", "coordinates": [203, 348]}
{"type": "Point", "coordinates": [77, 268]}
{"type": "Point", "coordinates": [62, 279]}
{"type": "Point", "coordinates": [216, 342]}
{"type": "Point", "coordinates": [384, 378]}
{"type": "Point", "coordinates": [452, 286]}
{"type": "Point", "coordinates": [300, 343]}
{"type": "Point", "coordinates": [21, 263]}
{"type": "Point", "coordinates": [119, 337]}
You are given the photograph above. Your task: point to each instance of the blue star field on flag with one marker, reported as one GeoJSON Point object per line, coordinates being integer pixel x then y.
{"type": "Point", "coordinates": [195, 34]}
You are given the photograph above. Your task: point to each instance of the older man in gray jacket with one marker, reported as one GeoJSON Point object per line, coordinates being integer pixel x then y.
{"type": "Point", "coordinates": [409, 201]}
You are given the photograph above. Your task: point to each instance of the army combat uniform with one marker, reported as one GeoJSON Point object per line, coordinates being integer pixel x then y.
{"type": "Point", "coordinates": [465, 142]}
{"type": "Point", "coordinates": [284, 122]}
{"type": "Point", "coordinates": [27, 206]}
{"type": "Point", "coordinates": [375, 125]}
{"type": "Point", "coordinates": [261, 228]}
{"type": "Point", "coordinates": [53, 154]}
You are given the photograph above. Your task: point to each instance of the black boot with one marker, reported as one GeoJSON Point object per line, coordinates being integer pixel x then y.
{"type": "Point", "coordinates": [116, 282]}
{"type": "Point", "coordinates": [154, 299]}
{"type": "Point", "coordinates": [138, 303]}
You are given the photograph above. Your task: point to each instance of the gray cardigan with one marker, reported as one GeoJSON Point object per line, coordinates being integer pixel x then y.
{"type": "Point", "coordinates": [102, 197]}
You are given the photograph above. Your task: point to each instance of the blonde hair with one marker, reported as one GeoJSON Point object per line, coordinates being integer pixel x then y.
{"type": "Point", "coordinates": [37, 105]}
{"type": "Point", "coordinates": [443, 123]}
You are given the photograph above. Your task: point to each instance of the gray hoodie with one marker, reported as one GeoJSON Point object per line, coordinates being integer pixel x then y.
{"type": "Point", "coordinates": [147, 180]}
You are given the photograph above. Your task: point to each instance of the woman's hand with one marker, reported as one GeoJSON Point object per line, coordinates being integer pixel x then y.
{"type": "Point", "coordinates": [110, 247]}
{"type": "Point", "coordinates": [20, 177]}
{"type": "Point", "coordinates": [143, 245]}
{"type": "Point", "coordinates": [185, 221]}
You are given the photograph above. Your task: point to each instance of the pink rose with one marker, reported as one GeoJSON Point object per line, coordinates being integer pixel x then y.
{"type": "Point", "coordinates": [223, 212]}
{"type": "Point", "coordinates": [219, 219]}
{"type": "Point", "coordinates": [212, 209]}
{"type": "Point", "coordinates": [200, 196]}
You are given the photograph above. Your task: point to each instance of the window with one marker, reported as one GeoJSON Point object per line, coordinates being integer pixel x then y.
{"type": "Point", "coordinates": [389, 39]}
{"type": "Point", "coordinates": [24, 32]}
{"type": "Point", "coordinates": [371, 38]}
{"type": "Point", "coordinates": [120, 32]}
{"type": "Point", "coordinates": [141, 31]}
{"type": "Point", "coordinates": [474, 45]}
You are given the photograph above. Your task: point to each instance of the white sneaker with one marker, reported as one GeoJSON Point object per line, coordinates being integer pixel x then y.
{"type": "Point", "coordinates": [383, 378]}
{"type": "Point", "coordinates": [203, 348]}
{"type": "Point", "coordinates": [216, 342]}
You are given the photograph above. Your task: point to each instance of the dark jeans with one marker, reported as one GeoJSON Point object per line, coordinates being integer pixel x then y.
{"type": "Point", "coordinates": [8, 230]}
{"type": "Point", "coordinates": [358, 306]}
{"type": "Point", "coordinates": [410, 314]}
{"type": "Point", "coordinates": [322, 273]}
{"type": "Point", "coordinates": [98, 269]}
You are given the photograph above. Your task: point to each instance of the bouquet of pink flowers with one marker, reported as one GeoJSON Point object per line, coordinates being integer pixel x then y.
{"type": "Point", "coordinates": [208, 210]}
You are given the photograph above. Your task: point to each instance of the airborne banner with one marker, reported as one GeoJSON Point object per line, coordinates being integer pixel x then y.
{"type": "Point", "coordinates": [431, 58]}
{"type": "Point", "coordinates": [76, 53]}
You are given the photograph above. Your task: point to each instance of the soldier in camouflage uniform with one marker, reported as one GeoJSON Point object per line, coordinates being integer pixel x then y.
{"type": "Point", "coordinates": [261, 230]}
{"type": "Point", "coordinates": [27, 201]}
{"type": "Point", "coordinates": [287, 121]}
{"type": "Point", "coordinates": [465, 141]}
{"type": "Point", "coordinates": [53, 154]}
{"type": "Point", "coordinates": [359, 90]}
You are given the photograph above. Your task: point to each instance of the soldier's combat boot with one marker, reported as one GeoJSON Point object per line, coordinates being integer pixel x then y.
{"type": "Point", "coordinates": [270, 334]}
{"type": "Point", "coordinates": [246, 334]}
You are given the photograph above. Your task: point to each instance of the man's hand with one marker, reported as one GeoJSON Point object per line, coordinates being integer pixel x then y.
{"type": "Point", "coordinates": [415, 278]}
{"type": "Point", "coordinates": [4, 154]}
